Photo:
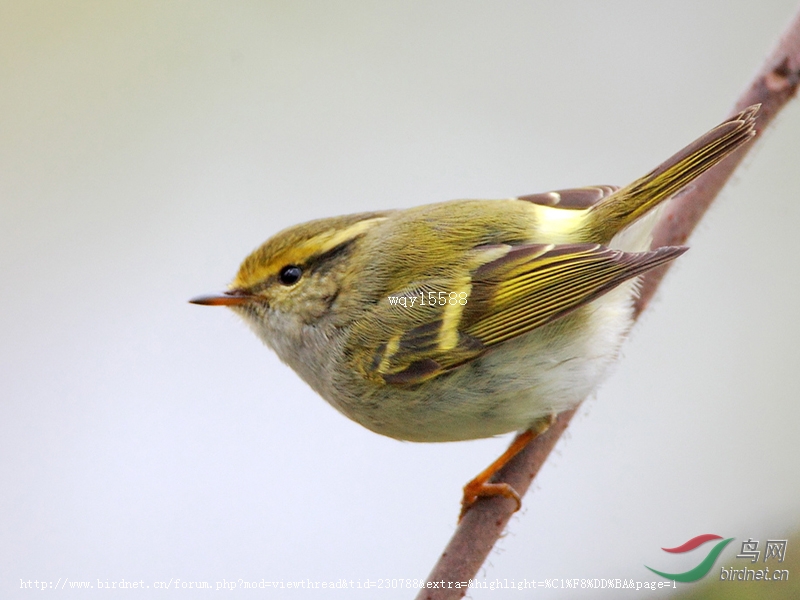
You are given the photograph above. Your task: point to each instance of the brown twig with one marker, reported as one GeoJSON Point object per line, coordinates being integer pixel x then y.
{"type": "Point", "coordinates": [774, 85]}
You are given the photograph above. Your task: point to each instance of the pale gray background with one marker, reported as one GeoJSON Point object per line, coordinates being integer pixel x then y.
{"type": "Point", "coordinates": [146, 148]}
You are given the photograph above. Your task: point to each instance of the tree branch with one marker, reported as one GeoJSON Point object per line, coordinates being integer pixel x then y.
{"type": "Point", "coordinates": [774, 85]}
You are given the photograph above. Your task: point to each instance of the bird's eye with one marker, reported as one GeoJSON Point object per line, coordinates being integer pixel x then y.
{"type": "Point", "coordinates": [290, 275]}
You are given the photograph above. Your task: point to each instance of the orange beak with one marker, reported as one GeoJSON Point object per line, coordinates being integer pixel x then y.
{"type": "Point", "coordinates": [232, 298]}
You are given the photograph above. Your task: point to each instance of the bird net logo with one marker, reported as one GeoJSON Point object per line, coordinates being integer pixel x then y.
{"type": "Point", "coordinates": [774, 550]}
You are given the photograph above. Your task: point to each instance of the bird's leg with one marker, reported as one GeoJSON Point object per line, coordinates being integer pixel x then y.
{"type": "Point", "coordinates": [480, 486]}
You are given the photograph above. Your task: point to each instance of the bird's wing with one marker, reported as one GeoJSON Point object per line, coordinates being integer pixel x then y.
{"type": "Point", "coordinates": [535, 284]}
{"type": "Point", "coordinates": [574, 199]}
{"type": "Point", "coordinates": [527, 287]}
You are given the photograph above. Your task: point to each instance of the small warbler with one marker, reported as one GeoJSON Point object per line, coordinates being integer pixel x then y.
{"type": "Point", "coordinates": [470, 318]}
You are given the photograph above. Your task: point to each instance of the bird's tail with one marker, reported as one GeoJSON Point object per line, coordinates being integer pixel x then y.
{"type": "Point", "coordinates": [623, 207]}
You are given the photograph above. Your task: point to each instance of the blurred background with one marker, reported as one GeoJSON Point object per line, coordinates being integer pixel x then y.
{"type": "Point", "coordinates": [147, 147]}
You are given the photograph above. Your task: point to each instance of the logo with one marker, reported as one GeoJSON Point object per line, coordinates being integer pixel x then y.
{"type": "Point", "coordinates": [705, 565]}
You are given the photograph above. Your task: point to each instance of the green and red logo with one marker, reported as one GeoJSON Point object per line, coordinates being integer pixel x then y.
{"type": "Point", "coordinates": [705, 565]}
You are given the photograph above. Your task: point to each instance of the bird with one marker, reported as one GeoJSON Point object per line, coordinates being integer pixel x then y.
{"type": "Point", "coordinates": [467, 319]}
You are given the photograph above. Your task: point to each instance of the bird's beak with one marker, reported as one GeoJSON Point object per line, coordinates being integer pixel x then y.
{"type": "Point", "coordinates": [230, 298]}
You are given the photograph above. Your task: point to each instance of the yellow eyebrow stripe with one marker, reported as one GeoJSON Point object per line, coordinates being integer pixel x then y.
{"type": "Point", "coordinates": [328, 240]}
{"type": "Point", "coordinates": [251, 274]}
